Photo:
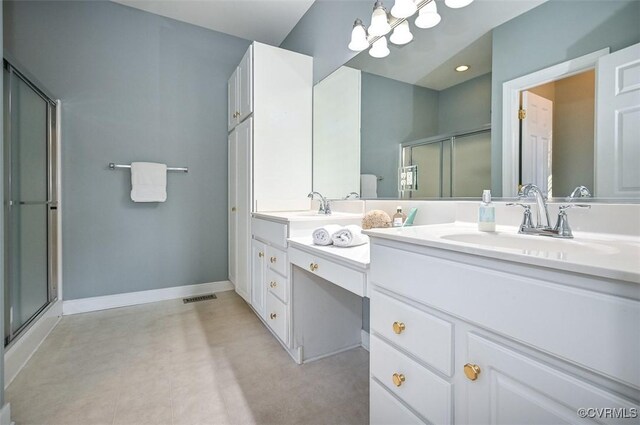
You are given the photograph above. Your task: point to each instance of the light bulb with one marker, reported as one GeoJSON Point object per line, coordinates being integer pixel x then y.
{"type": "Point", "coordinates": [379, 48]}
{"type": "Point", "coordinates": [379, 21]}
{"type": "Point", "coordinates": [428, 16]}
{"type": "Point", "coordinates": [401, 34]}
{"type": "Point", "coordinates": [457, 4]}
{"type": "Point", "coordinates": [358, 37]}
{"type": "Point", "coordinates": [403, 8]}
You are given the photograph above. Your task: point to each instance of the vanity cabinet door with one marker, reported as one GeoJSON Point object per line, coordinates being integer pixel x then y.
{"type": "Point", "coordinates": [232, 101]}
{"type": "Point", "coordinates": [511, 387]}
{"type": "Point", "coordinates": [258, 276]}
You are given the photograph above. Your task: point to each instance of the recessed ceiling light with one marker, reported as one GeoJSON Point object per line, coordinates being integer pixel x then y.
{"type": "Point", "coordinates": [462, 68]}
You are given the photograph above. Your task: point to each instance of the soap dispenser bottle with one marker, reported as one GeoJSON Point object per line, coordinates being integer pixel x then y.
{"type": "Point", "coordinates": [399, 217]}
{"type": "Point", "coordinates": [486, 213]}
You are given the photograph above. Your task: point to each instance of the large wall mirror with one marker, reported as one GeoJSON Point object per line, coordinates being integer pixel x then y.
{"type": "Point", "coordinates": [426, 121]}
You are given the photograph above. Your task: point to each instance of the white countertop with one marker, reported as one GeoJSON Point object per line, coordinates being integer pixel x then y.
{"type": "Point", "coordinates": [356, 256]}
{"type": "Point", "coordinates": [295, 216]}
{"type": "Point", "coordinates": [610, 256]}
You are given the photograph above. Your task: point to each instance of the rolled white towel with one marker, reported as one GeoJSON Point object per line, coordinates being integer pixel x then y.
{"type": "Point", "coordinates": [349, 236]}
{"type": "Point", "coordinates": [322, 235]}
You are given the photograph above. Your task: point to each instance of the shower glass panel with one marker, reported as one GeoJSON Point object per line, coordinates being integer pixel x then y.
{"type": "Point", "coordinates": [28, 195]}
{"type": "Point", "coordinates": [427, 158]}
{"type": "Point", "coordinates": [471, 165]}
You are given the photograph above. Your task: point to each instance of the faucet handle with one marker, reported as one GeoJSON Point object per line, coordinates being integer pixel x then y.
{"type": "Point", "coordinates": [527, 222]}
{"type": "Point", "coordinates": [563, 208]}
{"type": "Point", "coordinates": [562, 225]}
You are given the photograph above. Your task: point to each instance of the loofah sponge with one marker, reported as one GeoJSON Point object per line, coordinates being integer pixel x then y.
{"type": "Point", "coordinates": [376, 219]}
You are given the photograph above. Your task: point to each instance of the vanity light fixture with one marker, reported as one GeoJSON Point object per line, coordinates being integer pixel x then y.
{"type": "Point", "coordinates": [401, 34]}
{"type": "Point", "coordinates": [382, 23]}
{"type": "Point", "coordinates": [462, 68]}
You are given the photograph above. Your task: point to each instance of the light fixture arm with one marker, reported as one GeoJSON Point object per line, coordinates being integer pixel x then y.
{"type": "Point", "coordinates": [394, 22]}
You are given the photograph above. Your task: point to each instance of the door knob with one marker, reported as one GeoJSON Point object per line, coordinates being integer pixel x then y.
{"type": "Point", "coordinates": [398, 379]}
{"type": "Point", "coordinates": [273, 316]}
{"type": "Point", "coordinates": [273, 284]}
{"type": "Point", "coordinates": [398, 327]}
{"type": "Point", "coordinates": [261, 254]}
{"type": "Point", "coordinates": [273, 260]}
{"type": "Point", "coordinates": [472, 371]}
{"type": "Point", "coordinates": [233, 209]}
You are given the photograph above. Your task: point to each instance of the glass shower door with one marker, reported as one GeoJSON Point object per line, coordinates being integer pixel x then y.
{"type": "Point", "coordinates": [27, 196]}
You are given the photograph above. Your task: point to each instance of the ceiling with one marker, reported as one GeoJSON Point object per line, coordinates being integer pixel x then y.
{"type": "Point", "coordinates": [463, 37]}
{"type": "Point", "coordinates": [267, 21]}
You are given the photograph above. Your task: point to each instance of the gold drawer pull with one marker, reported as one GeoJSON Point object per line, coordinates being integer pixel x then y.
{"type": "Point", "coordinates": [273, 260]}
{"type": "Point", "coordinates": [398, 379]}
{"type": "Point", "coordinates": [273, 284]}
{"type": "Point", "coordinates": [313, 267]}
{"type": "Point", "coordinates": [472, 371]}
{"type": "Point", "coordinates": [398, 327]}
{"type": "Point", "coordinates": [261, 254]}
{"type": "Point", "coordinates": [273, 316]}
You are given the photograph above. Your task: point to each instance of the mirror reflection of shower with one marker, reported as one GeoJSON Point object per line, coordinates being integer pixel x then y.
{"type": "Point", "coordinates": [30, 201]}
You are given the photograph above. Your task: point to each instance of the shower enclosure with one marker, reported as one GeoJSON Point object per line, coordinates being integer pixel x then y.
{"type": "Point", "coordinates": [30, 201]}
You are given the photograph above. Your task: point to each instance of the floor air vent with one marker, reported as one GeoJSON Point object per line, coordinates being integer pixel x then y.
{"type": "Point", "coordinates": [199, 298]}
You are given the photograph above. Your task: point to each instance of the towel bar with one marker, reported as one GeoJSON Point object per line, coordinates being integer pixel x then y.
{"type": "Point", "coordinates": [113, 166]}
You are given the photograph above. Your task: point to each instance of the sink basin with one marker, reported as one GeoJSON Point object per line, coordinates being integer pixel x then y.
{"type": "Point", "coordinates": [534, 245]}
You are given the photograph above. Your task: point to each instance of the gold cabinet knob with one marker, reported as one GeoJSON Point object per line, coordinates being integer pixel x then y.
{"type": "Point", "coordinates": [273, 316]}
{"type": "Point", "coordinates": [313, 267]}
{"type": "Point", "coordinates": [398, 327]}
{"type": "Point", "coordinates": [273, 284]}
{"type": "Point", "coordinates": [261, 254]}
{"type": "Point", "coordinates": [273, 260]}
{"type": "Point", "coordinates": [472, 371]}
{"type": "Point", "coordinates": [398, 379]}
{"type": "Point", "coordinates": [233, 209]}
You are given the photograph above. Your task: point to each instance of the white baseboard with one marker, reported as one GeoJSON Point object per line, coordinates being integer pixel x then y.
{"type": "Point", "coordinates": [5, 415]}
{"type": "Point", "coordinates": [23, 348]}
{"type": "Point", "coordinates": [84, 305]}
{"type": "Point", "coordinates": [365, 339]}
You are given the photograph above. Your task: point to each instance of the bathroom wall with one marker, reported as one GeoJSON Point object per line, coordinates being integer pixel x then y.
{"type": "Point", "coordinates": [392, 112]}
{"type": "Point", "coordinates": [324, 31]}
{"type": "Point", "coordinates": [134, 87]}
{"type": "Point", "coordinates": [466, 106]}
{"type": "Point", "coordinates": [554, 32]}
{"type": "Point", "coordinates": [1, 223]}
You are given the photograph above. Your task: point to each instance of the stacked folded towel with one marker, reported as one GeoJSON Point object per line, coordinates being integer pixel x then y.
{"type": "Point", "coordinates": [339, 236]}
{"type": "Point", "coordinates": [322, 235]}
{"type": "Point", "coordinates": [349, 236]}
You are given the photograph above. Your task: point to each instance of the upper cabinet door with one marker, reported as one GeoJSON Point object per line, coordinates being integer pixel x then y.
{"type": "Point", "coordinates": [232, 101]}
{"type": "Point", "coordinates": [245, 86]}
{"type": "Point", "coordinates": [618, 124]}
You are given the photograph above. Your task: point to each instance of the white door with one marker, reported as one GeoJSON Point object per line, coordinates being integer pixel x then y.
{"type": "Point", "coordinates": [243, 206]}
{"type": "Point", "coordinates": [617, 168]}
{"type": "Point", "coordinates": [514, 388]}
{"type": "Point", "coordinates": [232, 101]}
{"type": "Point", "coordinates": [258, 276]}
{"type": "Point", "coordinates": [233, 215]}
{"type": "Point", "coordinates": [245, 86]}
{"type": "Point", "coordinates": [537, 132]}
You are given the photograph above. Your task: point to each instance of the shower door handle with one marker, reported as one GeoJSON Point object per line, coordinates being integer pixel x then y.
{"type": "Point", "coordinates": [33, 203]}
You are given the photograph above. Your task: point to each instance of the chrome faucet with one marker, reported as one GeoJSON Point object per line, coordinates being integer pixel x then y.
{"type": "Point", "coordinates": [355, 195]}
{"type": "Point", "coordinates": [579, 192]}
{"type": "Point", "coordinates": [543, 227]}
{"type": "Point", "coordinates": [325, 205]}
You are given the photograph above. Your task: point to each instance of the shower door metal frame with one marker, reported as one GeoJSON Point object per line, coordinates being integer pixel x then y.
{"type": "Point", "coordinates": [51, 202]}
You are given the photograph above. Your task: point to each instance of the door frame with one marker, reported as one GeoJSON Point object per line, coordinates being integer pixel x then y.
{"type": "Point", "coordinates": [511, 104]}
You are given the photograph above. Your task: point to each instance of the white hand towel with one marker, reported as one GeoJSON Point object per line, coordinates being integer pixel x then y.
{"type": "Point", "coordinates": [322, 235]}
{"type": "Point", "coordinates": [148, 182]}
{"type": "Point", "coordinates": [368, 186]}
{"type": "Point", "coordinates": [349, 236]}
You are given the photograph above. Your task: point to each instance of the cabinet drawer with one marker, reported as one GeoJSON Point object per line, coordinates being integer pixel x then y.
{"type": "Point", "coordinates": [276, 317]}
{"type": "Point", "coordinates": [269, 231]}
{"type": "Point", "coordinates": [349, 279]}
{"type": "Point", "coordinates": [385, 409]}
{"type": "Point", "coordinates": [278, 285]}
{"type": "Point", "coordinates": [557, 317]}
{"type": "Point", "coordinates": [427, 337]}
{"type": "Point", "coordinates": [421, 389]}
{"type": "Point", "coordinates": [277, 260]}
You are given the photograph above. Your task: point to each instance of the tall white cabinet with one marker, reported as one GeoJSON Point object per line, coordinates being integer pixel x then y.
{"type": "Point", "coordinates": [270, 149]}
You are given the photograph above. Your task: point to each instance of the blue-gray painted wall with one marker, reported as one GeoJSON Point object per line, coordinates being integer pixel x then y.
{"type": "Point", "coordinates": [134, 87]}
{"type": "Point", "coordinates": [552, 33]}
{"type": "Point", "coordinates": [466, 106]}
{"type": "Point", "coordinates": [392, 112]}
{"type": "Point", "coordinates": [324, 33]}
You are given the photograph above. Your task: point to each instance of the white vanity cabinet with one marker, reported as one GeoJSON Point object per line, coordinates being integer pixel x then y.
{"type": "Point", "coordinates": [269, 276]}
{"type": "Point", "coordinates": [460, 338]}
{"type": "Point", "coordinates": [270, 111]}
